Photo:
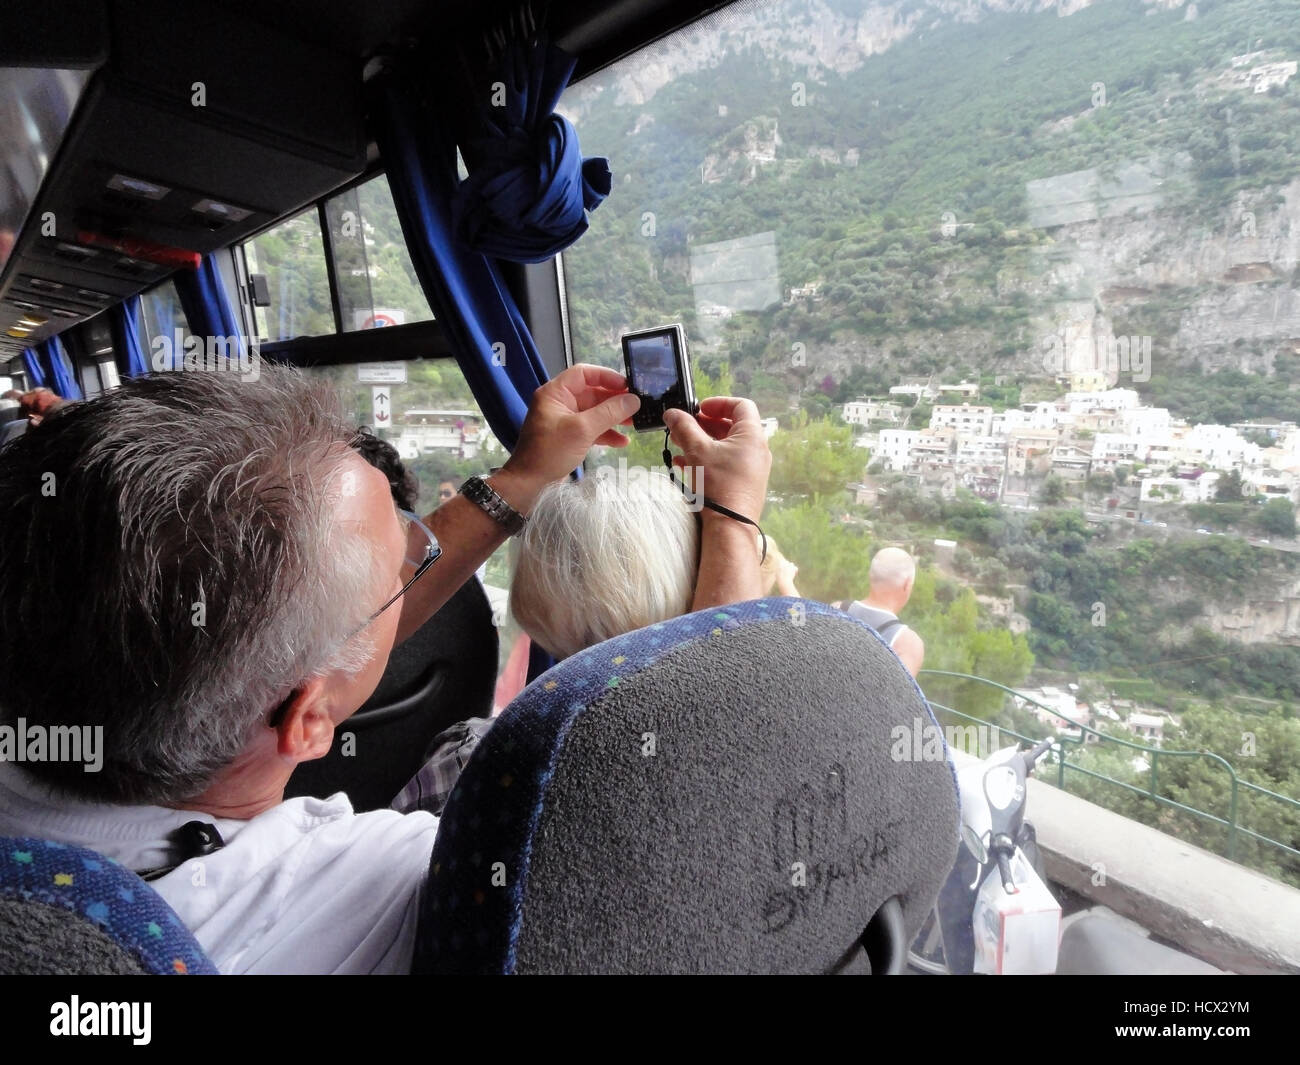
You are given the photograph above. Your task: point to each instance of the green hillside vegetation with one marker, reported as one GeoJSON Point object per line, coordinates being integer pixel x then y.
{"type": "Point", "coordinates": [950, 125]}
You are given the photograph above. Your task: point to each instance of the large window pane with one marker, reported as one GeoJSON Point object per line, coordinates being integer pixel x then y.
{"type": "Point", "coordinates": [1021, 294]}
{"type": "Point", "coordinates": [292, 256]}
{"type": "Point", "coordinates": [162, 316]}
{"type": "Point", "coordinates": [377, 283]}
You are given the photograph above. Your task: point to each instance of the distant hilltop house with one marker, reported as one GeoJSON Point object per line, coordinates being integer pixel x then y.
{"type": "Point", "coordinates": [865, 410]}
{"type": "Point", "coordinates": [1261, 77]}
{"type": "Point", "coordinates": [920, 387]}
{"type": "Point", "coordinates": [810, 291]}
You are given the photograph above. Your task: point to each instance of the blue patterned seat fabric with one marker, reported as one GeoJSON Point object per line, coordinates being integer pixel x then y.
{"type": "Point", "coordinates": [95, 889]}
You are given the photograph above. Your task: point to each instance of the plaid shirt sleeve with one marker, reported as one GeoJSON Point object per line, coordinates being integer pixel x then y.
{"type": "Point", "coordinates": [430, 788]}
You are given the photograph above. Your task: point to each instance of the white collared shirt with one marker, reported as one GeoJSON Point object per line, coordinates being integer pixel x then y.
{"type": "Point", "coordinates": [309, 886]}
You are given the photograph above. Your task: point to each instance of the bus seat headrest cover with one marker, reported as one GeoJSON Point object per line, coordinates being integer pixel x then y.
{"type": "Point", "coordinates": [719, 792]}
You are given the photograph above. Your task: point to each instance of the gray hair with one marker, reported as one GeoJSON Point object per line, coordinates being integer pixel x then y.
{"type": "Point", "coordinates": [171, 569]}
{"type": "Point", "coordinates": [603, 556]}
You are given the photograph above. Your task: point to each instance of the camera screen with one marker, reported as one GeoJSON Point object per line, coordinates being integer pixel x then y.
{"type": "Point", "coordinates": [653, 361]}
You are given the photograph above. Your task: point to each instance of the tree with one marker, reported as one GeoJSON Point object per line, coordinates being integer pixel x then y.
{"type": "Point", "coordinates": [1053, 491]}
{"type": "Point", "coordinates": [1101, 483]}
{"type": "Point", "coordinates": [814, 458]}
{"type": "Point", "coordinates": [833, 558]}
{"type": "Point", "coordinates": [1228, 490]}
{"type": "Point", "coordinates": [1277, 517]}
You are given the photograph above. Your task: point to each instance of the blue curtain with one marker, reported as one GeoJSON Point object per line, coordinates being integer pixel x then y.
{"type": "Point", "coordinates": [525, 199]}
{"type": "Point", "coordinates": [124, 320]}
{"type": "Point", "coordinates": [35, 372]}
{"type": "Point", "coordinates": [62, 376]}
{"type": "Point", "coordinates": [207, 309]}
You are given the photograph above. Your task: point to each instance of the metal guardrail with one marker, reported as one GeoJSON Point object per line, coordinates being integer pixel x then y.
{"type": "Point", "coordinates": [1155, 753]}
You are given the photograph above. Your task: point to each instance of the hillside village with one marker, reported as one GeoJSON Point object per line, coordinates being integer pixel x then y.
{"type": "Point", "coordinates": [1003, 455]}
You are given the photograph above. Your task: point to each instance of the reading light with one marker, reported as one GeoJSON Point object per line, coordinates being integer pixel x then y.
{"type": "Point", "coordinates": [138, 187]}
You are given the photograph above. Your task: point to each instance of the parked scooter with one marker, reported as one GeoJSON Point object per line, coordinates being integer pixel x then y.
{"type": "Point", "coordinates": [994, 912]}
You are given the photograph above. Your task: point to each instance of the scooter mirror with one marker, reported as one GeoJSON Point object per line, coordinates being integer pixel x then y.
{"type": "Point", "coordinates": [974, 844]}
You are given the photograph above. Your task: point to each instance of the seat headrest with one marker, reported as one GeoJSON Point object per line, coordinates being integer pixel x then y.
{"type": "Point", "coordinates": [67, 910]}
{"type": "Point", "coordinates": [718, 792]}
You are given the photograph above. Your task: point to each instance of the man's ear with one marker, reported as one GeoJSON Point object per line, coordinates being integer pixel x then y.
{"type": "Point", "coordinates": [306, 730]}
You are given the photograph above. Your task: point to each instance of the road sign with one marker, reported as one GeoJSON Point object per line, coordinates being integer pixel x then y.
{"type": "Point", "coordinates": [382, 406]}
{"type": "Point", "coordinates": [381, 373]}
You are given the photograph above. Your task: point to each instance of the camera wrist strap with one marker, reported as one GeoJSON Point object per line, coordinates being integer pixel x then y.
{"type": "Point", "coordinates": [672, 476]}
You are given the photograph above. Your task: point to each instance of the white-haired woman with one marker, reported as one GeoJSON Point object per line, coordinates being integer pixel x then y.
{"type": "Point", "coordinates": [614, 552]}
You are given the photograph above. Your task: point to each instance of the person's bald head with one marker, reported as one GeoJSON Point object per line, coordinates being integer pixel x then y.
{"type": "Point", "coordinates": [893, 571]}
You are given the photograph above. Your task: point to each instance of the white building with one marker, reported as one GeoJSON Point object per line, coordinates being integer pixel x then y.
{"type": "Point", "coordinates": [894, 447]}
{"type": "Point", "coordinates": [1198, 489]}
{"type": "Point", "coordinates": [1221, 447]}
{"type": "Point", "coordinates": [865, 411]}
{"type": "Point", "coordinates": [964, 419]}
{"type": "Point", "coordinates": [1113, 449]}
{"type": "Point", "coordinates": [1146, 423]}
{"type": "Point", "coordinates": [457, 432]}
{"type": "Point", "coordinates": [1110, 399]}
{"type": "Point", "coordinates": [1148, 727]}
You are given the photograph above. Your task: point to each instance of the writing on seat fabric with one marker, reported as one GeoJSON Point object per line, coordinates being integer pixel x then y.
{"type": "Point", "coordinates": [712, 793]}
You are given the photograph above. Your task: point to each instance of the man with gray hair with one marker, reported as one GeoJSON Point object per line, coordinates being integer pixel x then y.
{"type": "Point", "coordinates": [205, 569]}
{"type": "Point", "coordinates": [892, 575]}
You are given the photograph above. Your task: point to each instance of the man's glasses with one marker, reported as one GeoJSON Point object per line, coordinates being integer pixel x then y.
{"type": "Point", "coordinates": [420, 554]}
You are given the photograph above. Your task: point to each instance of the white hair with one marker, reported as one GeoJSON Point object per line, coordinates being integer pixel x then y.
{"type": "Point", "coordinates": [603, 556]}
{"type": "Point", "coordinates": [891, 567]}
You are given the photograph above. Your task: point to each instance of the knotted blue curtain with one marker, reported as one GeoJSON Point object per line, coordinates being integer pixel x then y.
{"type": "Point", "coordinates": [124, 320]}
{"type": "Point", "coordinates": [35, 372]}
{"type": "Point", "coordinates": [525, 199]}
{"type": "Point", "coordinates": [62, 377]}
{"type": "Point", "coordinates": [207, 308]}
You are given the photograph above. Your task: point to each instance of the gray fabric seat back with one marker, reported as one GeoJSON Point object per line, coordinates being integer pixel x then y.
{"type": "Point", "coordinates": [722, 792]}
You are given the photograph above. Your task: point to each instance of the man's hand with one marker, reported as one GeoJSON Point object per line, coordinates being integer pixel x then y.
{"type": "Point", "coordinates": [567, 416]}
{"type": "Point", "coordinates": [727, 443]}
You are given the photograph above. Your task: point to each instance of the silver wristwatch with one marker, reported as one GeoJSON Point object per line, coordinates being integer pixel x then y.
{"type": "Point", "coordinates": [477, 490]}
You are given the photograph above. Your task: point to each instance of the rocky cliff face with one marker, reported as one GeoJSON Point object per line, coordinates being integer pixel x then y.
{"type": "Point", "coordinates": [1272, 616]}
{"type": "Point", "coordinates": [808, 33]}
{"type": "Point", "coordinates": [1241, 265]}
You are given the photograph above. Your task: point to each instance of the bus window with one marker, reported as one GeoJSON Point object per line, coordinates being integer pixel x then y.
{"type": "Point", "coordinates": [376, 281]}
{"type": "Point", "coordinates": [292, 256]}
{"type": "Point", "coordinates": [944, 270]}
{"type": "Point", "coordinates": [161, 315]}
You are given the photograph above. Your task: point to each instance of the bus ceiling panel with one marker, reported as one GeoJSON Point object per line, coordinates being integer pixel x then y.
{"type": "Point", "coordinates": [183, 180]}
{"type": "Point", "coordinates": [204, 60]}
{"type": "Point", "coordinates": [36, 108]}
{"type": "Point", "coordinates": [68, 35]}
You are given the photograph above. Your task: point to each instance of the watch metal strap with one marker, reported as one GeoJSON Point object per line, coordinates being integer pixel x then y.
{"type": "Point", "coordinates": [477, 490]}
